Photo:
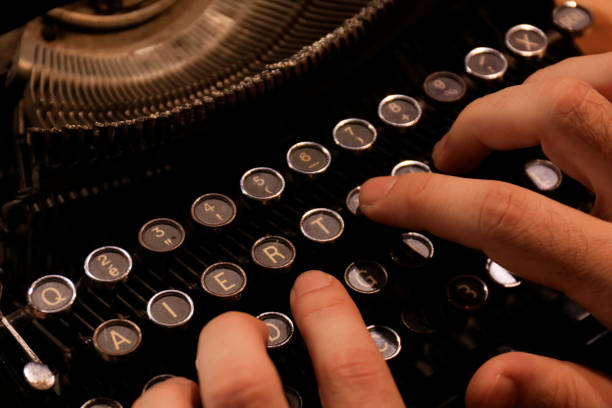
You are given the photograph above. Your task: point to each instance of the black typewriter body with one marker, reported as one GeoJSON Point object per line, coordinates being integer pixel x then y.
{"type": "Point", "coordinates": [86, 162]}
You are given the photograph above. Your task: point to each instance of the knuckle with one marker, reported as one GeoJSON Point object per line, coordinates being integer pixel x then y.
{"type": "Point", "coordinates": [501, 212]}
{"type": "Point", "coordinates": [242, 388]}
{"type": "Point", "coordinates": [355, 366]}
{"type": "Point", "coordinates": [569, 96]}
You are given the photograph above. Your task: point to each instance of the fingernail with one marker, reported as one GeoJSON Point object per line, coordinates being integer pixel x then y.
{"type": "Point", "coordinates": [503, 394]}
{"type": "Point", "coordinates": [375, 190]}
{"type": "Point", "coordinates": [309, 281]}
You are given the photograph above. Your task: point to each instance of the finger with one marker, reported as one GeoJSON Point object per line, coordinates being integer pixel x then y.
{"type": "Point", "coordinates": [175, 392]}
{"type": "Point", "coordinates": [233, 364]}
{"type": "Point", "coordinates": [350, 369]}
{"type": "Point", "coordinates": [567, 117]}
{"type": "Point", "coordinates": [593, 69]}
{"type": "Point", "coordinates": [533, 236]}
{"type": "Point", "coordinates": [525, 380]}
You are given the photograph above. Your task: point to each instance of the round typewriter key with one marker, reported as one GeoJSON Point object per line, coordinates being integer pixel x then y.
{"type": "Point", "coordinates": [352, 200]}
{"type": "Point", "coordinates": [51, 294]}
{"type": "Point", "coordinates": [156, 380]}
{"type": "Point", "coordinates": [161, 235]}
{"type": "Point", "coordinates": [414, 250]}
{"type": "Point", "coordinates": [213, 210]}
{"type": "Point", "coordinates": [366, 277]}
{"type": "Point", "coordinates": [526, 40]}
{"type": "Point", "coordinates": [101, 403]}
{"type": "Point", "coordinates": [224, 280]}
{"type": "Point", "coordinates": [400, 111]}
{"type": "Point", "coordinates": [467, 292]}
{"type": "Point", "coordinates": [293, 397]}
{"type": "Point", "coordinates": [280, 328]}
{"type": "Point", "coordinates": [273, 252]}
{"type": "Point", "coordinates": [501, 275]}
{"type": "Point", "coordinates": [39, 376]}
{"type": "Point", "coordinates": [410, 167]}
{"type": "Point", "coordinates": [486, 63]}
{"type": "Point", "coordinates": [417, 322]}
{"type": "Point", "coordinates": [322, 225]}
{"type": "Point", "coordinates": [544, 174]}
{"type": "Point", "coordinates": [262, 184]}
{"type": "Point", "coordinates": [572, 18]}
{"type": "Point", "coordinates": [387, 340]}
{"type": "Point", "coordinates": [108, 264]}
{"type": "Point", "coordinates": [308, 158]}
{"type": "Point", "coordinates": [116, 338]}
{"type": "Point", "coordinates": [170, 308]}
{"type": "Point", "coordinates": [355, 134]}
{"type": "Point", "coordinates": [444, 86]}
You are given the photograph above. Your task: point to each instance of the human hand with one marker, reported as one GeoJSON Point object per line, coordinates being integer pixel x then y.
{"type": "Point", "coordinates": [234, 369]}
{"type": "Point", "coordinates": [566, 109]}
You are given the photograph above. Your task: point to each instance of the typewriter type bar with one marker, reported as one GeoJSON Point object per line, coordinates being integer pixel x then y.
{"type": "Point", "coordinates": [116, 339]}
{"type": "Point", "coordinates": [501, 275]}
{"type": "Point", "coordinates": [544, 175]}
{"type": "Point", "coordinates": [161, 235]}
{"type": "Point", "coordinates": [280, 328]}
{"type": "Point", "coordinates": [322, 225]}
{"type": "Point", "coordinates": [262, 184]}
{"type": "Point", "coordinates": [50, 295]}
{"type": "Point", "coordinates": [366, 277]}
{"type": "Point", "coordinates": [224, 280]}
{"type": "Point", "coordinates": [410, 167]}
{"type": "Point", "coordinates": [308, 158]}
{"type": "Point", "coordinates": [170, 308]}
{"type": "Point", "coordinates": [444, 86]}
{"type": "Point", "coordinates": [467, 292]}
{"type": "Point", "coordinates": [352, 201]}
{"type": "Point", "coordinates": [400, 111]}
{"type": "Point", "coordinates": [526, 40]}
{"type": "Point", "coordinates": [387, 340]}
{"type": "Point", "coordinates": [213, 210]}
{"type": "Point", "coordinates": [108, 265]}
{"type": "Point", "coordinates": [572, 18]}
{"type": "Point", "coordinates": [486, 63]}
{"type": "Point", "coordinates": [355, 134]}
{"type": "Point", "coordinates": [273, 253]}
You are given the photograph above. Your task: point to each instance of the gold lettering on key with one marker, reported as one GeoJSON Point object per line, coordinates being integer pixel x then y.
{"type": "Point", "coordinates": [271, 252]}
{"type": "Point", "coordinates": [319, 222]}
{"type": "Point", "coordinates": [52, 302]}
{"type": "Point", "coordinates": [395, 108]}
{"type": "Point", "coordinates": [526, 42]}
{"type": "Point", "coordinates": [158, 232]}
{"type": "Point", "coordinates": [365, 279]}
{"type": "Point", "coordinates": [378, 343]}
{"type": "Point", "coordinates": [118, 339]}
{"type": "Point", "coordinates": [169, 309]}
{"type": "Point", "coordinates": [468, 291]}
{"type": "Point", "coordinates": [276, 329]}
{"type": "Point", "coordinates": [222, 282]}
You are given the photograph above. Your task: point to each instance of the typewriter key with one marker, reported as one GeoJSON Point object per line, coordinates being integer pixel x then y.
{"type": "Point", "coordinates": [39, 376]}
{"type": "Point", "coordinates": [101, 403]}
{"type": "Point", "coordinates": [444, 86]}
{"type": "Point", "coordinates": [366, 277]}
{"type": "Point", "coordinates": [280, 328]}
{"type": "Point", "coordinates": [224, 280]}
{"type": "Point", "coordinates": [170, 308]}
{"type": "Point", "coordinates": [262, 184]}
{"type": "Point", "coordinates": [544, 175]}
{"type": "Point", "coordinates": [355, 134]}
{"type": "Point", "coordinates": [273, 252]}
{"type": "Point", "coordinates": [293, 397]}
{"type": "Point", "coordinates": [322, 225]}
{"type": "Point", "coordinates": [572, 18]}
{"type": "Point", "coordinates": [387, 340]}
{"type": "Point", "coordinates": [501, 275]}
{"type": "Point", "coordinates": [116, 338]}
{"type": "Point", "coordinates": [213, 210]}
{"type": "Point", "coordinates": [352, 201]}
{"type": "Point", "coordinates": [410, 167]}
{"type": "Point", "coordinates": [51, 294]}
{"type": "Point", "coordinates": [156, 380]}
{"type": "Point", "coordinates": [399, 111]}
{"type": "Point", "coordinates": [161, 235]}
{"type": "Point", "coordinates": [417, 321]}
{"type": "Point", "coordinates": [526, 40]}
{"type": "Point", "coordinates": [308, 158]}
{"type": "Point", "coordinates": [108, 265]}
{"type": "Point", "coordinates": [414, 250]}
{"type": "Point", "coordinates": [486, 63]}
{"type": "Point", "coordinates": [467, 292]}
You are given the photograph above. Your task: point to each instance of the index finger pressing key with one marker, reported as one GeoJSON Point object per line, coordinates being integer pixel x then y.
{"type": "Point", "coordinates": [350, 369]}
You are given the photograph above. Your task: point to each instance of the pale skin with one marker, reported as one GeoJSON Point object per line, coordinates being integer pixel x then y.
{"type": "Point", "coordinates": [566, 109]}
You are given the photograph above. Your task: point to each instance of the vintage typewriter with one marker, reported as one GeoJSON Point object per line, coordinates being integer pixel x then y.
{"type": "Point", "coordinates": [164, 161]}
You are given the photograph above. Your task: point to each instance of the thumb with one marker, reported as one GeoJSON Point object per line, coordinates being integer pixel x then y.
{"type": "Point", "coordinates": [526, 380]}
